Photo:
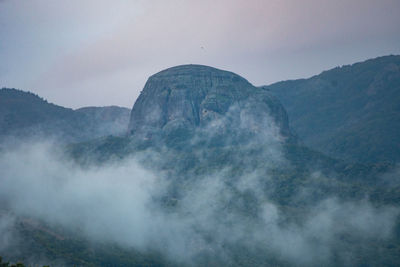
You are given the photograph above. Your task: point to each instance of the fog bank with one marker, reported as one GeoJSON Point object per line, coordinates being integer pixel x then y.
{"type": "Point", "coordinates": [121, 202]}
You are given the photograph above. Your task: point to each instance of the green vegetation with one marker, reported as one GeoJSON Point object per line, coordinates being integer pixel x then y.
{"type": "Point", "coordinates": [348, 119]}
{"type": "Point", "coordinates": [350, 112]}
{"type": "Point", "coordinates": [23, 114]}
{"type": "Point", "coordinates": [18, 264]}
{"type": "Point", "coordinates": [347, 181]}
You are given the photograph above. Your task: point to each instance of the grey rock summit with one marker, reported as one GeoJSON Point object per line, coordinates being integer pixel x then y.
{"type": "Point", "coordinates": [181, 99]}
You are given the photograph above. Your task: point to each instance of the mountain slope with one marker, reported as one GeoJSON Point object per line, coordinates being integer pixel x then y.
{"type": "Point", "coordinates": [25, 114]}
{"type": "Point", "coordinates": [110, 120]}
{"type": "Point", "coordinates": [350, 112]}
{"type": "Point", "coordinates": [222, 181]}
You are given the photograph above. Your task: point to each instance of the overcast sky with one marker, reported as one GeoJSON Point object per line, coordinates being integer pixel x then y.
{"type": "Point", "coordinates": [98, 52]}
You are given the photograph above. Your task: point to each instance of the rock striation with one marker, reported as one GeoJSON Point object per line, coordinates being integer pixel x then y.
{"type": "Point", "coordinates": [177, 101]}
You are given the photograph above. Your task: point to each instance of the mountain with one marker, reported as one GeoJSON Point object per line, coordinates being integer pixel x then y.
{"type": "Point", "coordinates": [226, 151]}
{"type": "Point", "coordinates": [196, 120]}
{"type": "Point", "coordinates": [24, 114]}
{"type": "Point", "coordinates": [350, 112]}
{"type": "Point", "coordinates": [178, 101]}
{"type": "Point", "coordinates": [209, 174]}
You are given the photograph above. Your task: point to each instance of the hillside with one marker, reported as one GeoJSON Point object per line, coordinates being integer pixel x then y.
{"type": "Point", "coordinates": [109, 120]}
{"type": "Point", "coordinates": [191, 125]}
{"type": "Point", "coordinates": [209, 174]}
{"type": "Point", "coordinates": [350, 112]}
{"type": "Point", "coordinates": [23, 114]}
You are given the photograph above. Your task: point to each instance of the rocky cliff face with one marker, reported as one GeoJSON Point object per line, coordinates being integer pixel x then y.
{"type": "Point", "coordinates": [177, 101]}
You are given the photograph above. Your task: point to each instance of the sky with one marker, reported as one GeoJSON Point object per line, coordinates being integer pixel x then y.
{"type": "Point", "coordinates": [79, 53]}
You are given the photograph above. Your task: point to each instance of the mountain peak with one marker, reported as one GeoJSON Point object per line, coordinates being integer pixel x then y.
{"type": "Point", "coordinates": [185, 97]}
{"type": "Point", "coordinates": [193, 69]}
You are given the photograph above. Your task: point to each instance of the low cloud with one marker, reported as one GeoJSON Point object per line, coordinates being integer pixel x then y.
{"type": "Point", "coordinates": [6, 231]}
{"type": "Point", "coordinates": [120, 202]}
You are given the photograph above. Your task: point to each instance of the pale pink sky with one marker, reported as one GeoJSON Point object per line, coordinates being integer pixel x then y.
{"type": "Point", "coordinates": [79, 52]}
